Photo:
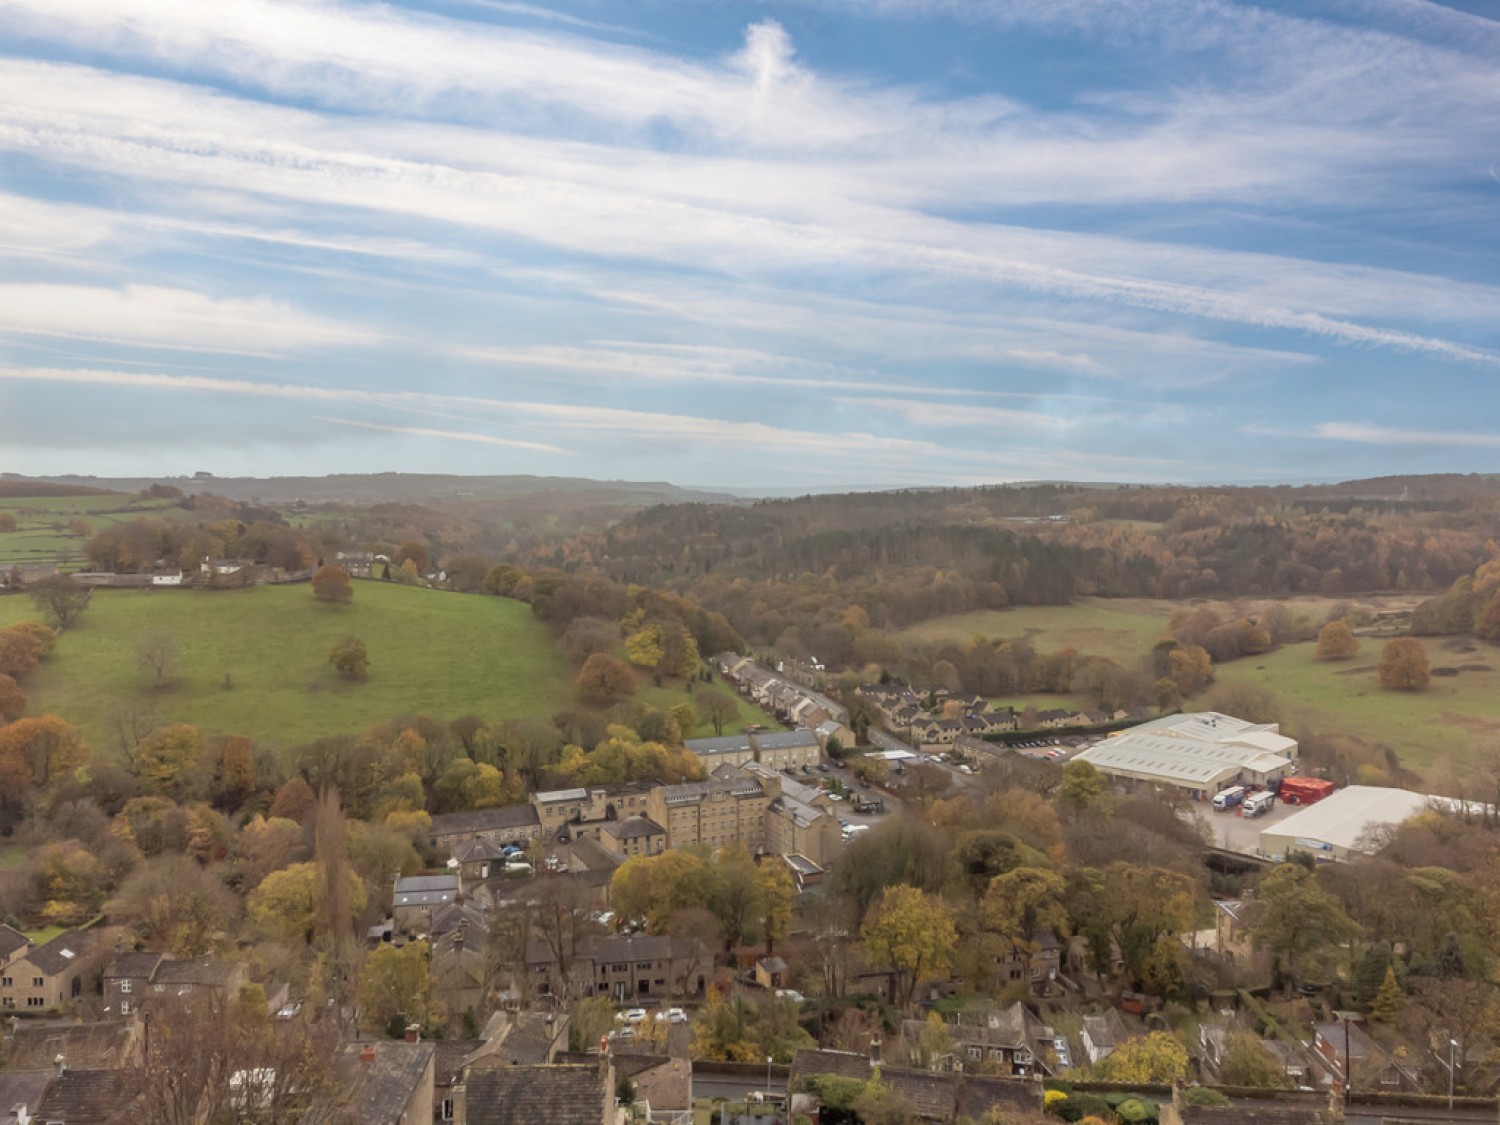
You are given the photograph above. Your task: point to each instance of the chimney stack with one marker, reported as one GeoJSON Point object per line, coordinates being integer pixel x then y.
{"type": "Point", "coordinates": [875, 1050]}
{"type": "Point", "coordinates": [62, 1065]}
{"type": "Point", "coordinates": [367, 1055]}
{"type": "Point", "coordinates": [413, 1032]}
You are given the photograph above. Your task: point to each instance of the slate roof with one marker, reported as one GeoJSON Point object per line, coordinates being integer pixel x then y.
{"type": "Point", "coordinates": [378, 1092]}
{"type": "Point", "coordinates": [786, 739]}
{"type": "Point", "coordinates": [449, 1058]}
{"type": "Point", "coordinates": [634, 828]}
{"type": "Point", "coordinates": [92, 1097]}
{"type": "Point", "coordinates": [426, 890]}
{"type": "Point", "coordinates": [476, 851]}
{"type": "Point", "coordinates": [59, 954]}
{"type": "Point", "coordinates": [83, 1045]}
{"type": "Point", "coordinates": [726, 744]}
{"type": "Point", "coordinates": [483, 820]}
{"type": "Point", "coordinates": [135, 966]}
{"type": "Point", "coordinates": [11, 942]}
{"type": "Point", "coordinates": [527, 1095]}
{"type": "Point", "coordinates": [205, 973]}
{"type": "Point", "coordinates": [22, 1087]}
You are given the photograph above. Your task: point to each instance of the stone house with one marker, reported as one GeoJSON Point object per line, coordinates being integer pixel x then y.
{"type": "Point", "coordinates": [46, 977]}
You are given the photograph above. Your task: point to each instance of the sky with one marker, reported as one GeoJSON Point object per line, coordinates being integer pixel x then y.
{"type": "Point", "coordinates": [809, 245]}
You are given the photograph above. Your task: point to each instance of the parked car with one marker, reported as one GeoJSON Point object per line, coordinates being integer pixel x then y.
{"type": "Point", "coordinates": [671, 1015]}
{"type": "Point", "coordinates": [635, 1016]}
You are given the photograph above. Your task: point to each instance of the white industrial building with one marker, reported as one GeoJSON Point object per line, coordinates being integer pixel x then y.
{"type": "Point", "coordinates": [1347, 822]}
{"type": "Point", "coordinates": [1201, 753]}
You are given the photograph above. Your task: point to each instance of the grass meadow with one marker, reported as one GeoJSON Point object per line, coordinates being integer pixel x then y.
{"type": "Point", "coordinates": [42, 534]}
{"type": "Point", "coordinates": [437, 653]}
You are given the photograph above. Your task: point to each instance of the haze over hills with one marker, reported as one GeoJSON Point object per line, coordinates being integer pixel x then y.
{"type": "Point", "coordinates": [379, 488]}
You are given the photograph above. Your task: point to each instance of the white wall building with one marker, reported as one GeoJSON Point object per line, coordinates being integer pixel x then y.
{"type": "Point", "coordinates": [1348, 822]}
{"type": "Point", "coordinates": [1201, 753]}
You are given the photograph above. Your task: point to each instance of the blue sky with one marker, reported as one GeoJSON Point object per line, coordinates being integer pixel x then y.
{"type": "Point", "coordinates": [818, 244]}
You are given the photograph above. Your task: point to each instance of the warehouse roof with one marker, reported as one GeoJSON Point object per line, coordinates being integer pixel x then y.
{"type": "Point", "coordinates": [1344, 818]}
{"type": "Point", "coordinates": [1197, 749]}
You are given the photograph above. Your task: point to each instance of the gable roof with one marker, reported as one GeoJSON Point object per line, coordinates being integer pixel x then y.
{"type": "Point", "coordinates": [11, 942]}
{"type": "Point", "coordinates": [22, 1087]}
{"type": "Point", "coordinates": [92, 1097]}
{"type": "Point", "coordinates": [378, 1092]}
{"type": "Point", "coordinates": [932, 1095]}
{"type": "Point", "coordinates": [135, 966]}
{"type": "Point", "coordinates": [59, 954]}
{"type": "Point", "coordinates": [527, 1095]}
{"type": "Point", "coordinates": [484, 820]}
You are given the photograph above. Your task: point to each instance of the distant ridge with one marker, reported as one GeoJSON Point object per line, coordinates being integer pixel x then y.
{"type": "Point", "coordinates": [377, 488]}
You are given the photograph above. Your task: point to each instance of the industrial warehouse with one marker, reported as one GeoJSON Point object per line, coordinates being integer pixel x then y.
{"type": "Point", "coordinates": [1200, 753]}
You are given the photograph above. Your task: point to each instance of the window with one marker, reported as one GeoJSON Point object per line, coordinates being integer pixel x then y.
{"type": "Point", "coordinates": [5, 981]}
{"type": "Point", "coordinates": [447, 1109]}
{"type": "Point", "coordinates": [126, 987]}
{"type": "Point", "coordinates": [35, 1002]}
{"type": "Point", "coordinates": [38, 982]}
{"type": "Point", "coordinates": [976, 1053]}
{"type": "Point", "coordinates": [9, 1003]}
{"type": "Point", "coordinates": [124, 1007]}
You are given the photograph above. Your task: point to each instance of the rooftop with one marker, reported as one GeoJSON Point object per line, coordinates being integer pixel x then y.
{"type": "Point", "coordinates": [527, 1095]}
{"type": "Point", "coordinates": [483, 820]}
{"type": "Point", "coordinates": [1343, 818]}
{"type": "Point", "coordinates": [378, 1090]}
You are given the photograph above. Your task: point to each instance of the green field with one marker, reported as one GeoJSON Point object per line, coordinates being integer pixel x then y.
{"type": "Point", "coordinates": [1123, 630]}
{"type": "Point", "coordinates": [1438, 727]}
{"type": "Point", "coordinates": [42, 534]}
{"type": "Point", "coordinates": [436, 653]}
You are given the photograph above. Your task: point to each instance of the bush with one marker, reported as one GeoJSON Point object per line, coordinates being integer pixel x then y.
{"type": "Point", "coordinates": [1202, 1095]}
{"type": "Point", "coordinates": [1134, 1110]}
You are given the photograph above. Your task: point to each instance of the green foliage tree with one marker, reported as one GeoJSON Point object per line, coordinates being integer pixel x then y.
{"type": "Point", "coordinates": [1292, 915]}
{"type": "Point", "coordinates": [1082, 787]}
{"type": "Point", "coordinates": [910, 933]}
{"type": "Point", "coordinates": [61, 597]}
{"type": "Point", "coordinates": [1389, 999]}
{"type": "Point", "coordinates": [287, 901]}
{"type": "Point", "coordinates": [331, 584]}
{"type": "Point", "coordinates": [1336, 641]}
{"type": "Point", "coordinates": [1157, 1059]}
{"type": "Point", "coordinates": [350, 658]}
{"type": "Point", "coordinates": [775, 892]}
{"type": "Point", "coordinates": [1403, 665]}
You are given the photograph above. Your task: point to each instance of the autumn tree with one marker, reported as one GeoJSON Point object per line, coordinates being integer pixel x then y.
{"type": "Point", "coordinates": [604, 679]}
{"type": "Point", "coordinates": [394, 988]}
{"type": "Point", "coordinates": [60, 596]}
{"type": "Point", "coordinates": [331, 584]}
{"type": "Point", "coordinates": [1403, 665]}
{"type": "Point", "coordinates": [776, 891]}
{"type": "Point", "coordinates": [7, 522]}
{"type": "Point", "coordinates": [717, 708]}
{"type": "Point", "coordinates": [37, 757]}
{"type": "Point", "coordinates": [911, 933]}
{"type": "Point", "coordinates": [178, 904]}
{"type": "Point", "coordinates": [167, 762]}
{"type": "Point", "coordinates": [1246, 1063]}
{"type": "Point", "coordinates": [415, 553]}
{"type": "Point", "coordinates": [1390, 998]}
{"type": "Point", "coordinates": [1021, 904]}
{"type": "Point", "coordinates": [1157, 1059]}
{"type": "Point", "coordinates": [1336, 641]}
{"type": "Point", "coordinates": [157, 649]}
{"type": "Point", "coordinates": [12, 700]}
{"type": "Point", "coordinates": [350, 658]}
{"type": "Point", "coordinates": [286, 901]}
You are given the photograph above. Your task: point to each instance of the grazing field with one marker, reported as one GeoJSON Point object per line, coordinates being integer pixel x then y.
{"type": "Point", "coordinates": [437, 653]}
{"type": "Point", "coordinates": [42, 533]}
{"type": "Point", "coordinates": [1123, 630]}
{"type": "Point", "coordinates": [1432, 731]}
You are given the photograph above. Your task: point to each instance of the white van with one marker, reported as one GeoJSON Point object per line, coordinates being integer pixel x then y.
{"type": "Point", "coordinates": [1257, 803]}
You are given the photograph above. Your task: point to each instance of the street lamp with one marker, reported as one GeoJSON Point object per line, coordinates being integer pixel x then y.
{"type": "Point", "coordinates": [768, 1074]}
{"type": "Point", "coordinates": [1452, 1045]}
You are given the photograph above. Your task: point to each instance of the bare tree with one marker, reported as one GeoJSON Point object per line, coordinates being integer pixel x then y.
{"type": "Point", "coordinates": [157, 650]}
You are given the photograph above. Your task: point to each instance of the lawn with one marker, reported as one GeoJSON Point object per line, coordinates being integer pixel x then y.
{"type": "Point", "coordinates": [749, 714]}
{"type": "Point", "coordinates": [1443, 724]}
{"type": "Point", "coordinates": [432, 652]}
{"type": "Point", "coordinates": [1121, 630]}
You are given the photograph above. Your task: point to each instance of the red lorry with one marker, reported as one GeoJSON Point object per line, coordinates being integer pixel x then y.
{"type": "Point", "coordinates": [1303, 790]}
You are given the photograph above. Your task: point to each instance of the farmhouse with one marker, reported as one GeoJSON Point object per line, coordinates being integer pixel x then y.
{"type": "Point", "coordinates": [1200, 753]}
{"type": "Point", "coordinates": [1350, 822]}
{"type": "Point", "coordinates": [46, 977]}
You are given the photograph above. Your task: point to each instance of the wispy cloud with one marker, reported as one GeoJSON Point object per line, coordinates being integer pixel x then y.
{"type": "Point", "coordinates": [448, 435]}
{"type": "Point", "coordinates": [1367, 433]}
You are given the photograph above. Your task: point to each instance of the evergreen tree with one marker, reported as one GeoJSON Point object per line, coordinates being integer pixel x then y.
{"type": "Point", "coordinates": [1389, 1000]}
